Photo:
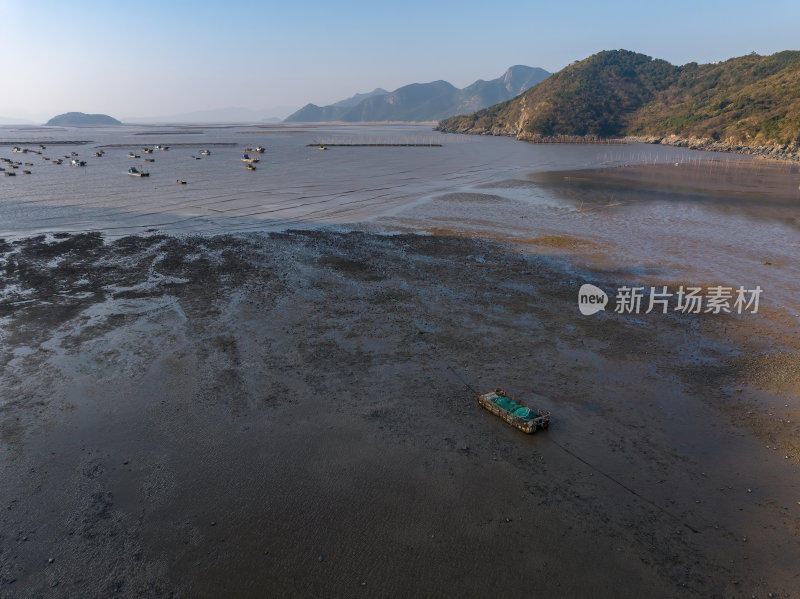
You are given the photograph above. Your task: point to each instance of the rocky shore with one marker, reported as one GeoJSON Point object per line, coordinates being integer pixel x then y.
{"type": "Point", "coordinates": [789, 152]}
{"type": "Point", "coordinates": [772, 152]}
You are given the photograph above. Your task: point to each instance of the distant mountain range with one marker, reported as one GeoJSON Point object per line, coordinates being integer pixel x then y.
{"type": "Point", "coordinates": [749, 101]}
{"type": "Point", "coordinates": [80, 119]}
{"type": "Point", "coordinates": [423, 101]}
{"type": "Point", "coordinates": [357, 98]}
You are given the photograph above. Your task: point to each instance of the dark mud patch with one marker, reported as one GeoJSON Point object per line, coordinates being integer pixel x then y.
{"type": "Point", "coordinates": [508, 184]}
{"type": "Point", "coordinates": [352, 268]}
{"type": "Point", "coordinates": [465, 197]}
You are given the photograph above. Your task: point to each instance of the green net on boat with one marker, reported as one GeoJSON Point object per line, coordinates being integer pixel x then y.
{"type": "Point", "coordinates": [509, 405]}
{"type": "Point", "coordinates": [523, 413]}
{"type": "Point", "coordinates": [506, 403]}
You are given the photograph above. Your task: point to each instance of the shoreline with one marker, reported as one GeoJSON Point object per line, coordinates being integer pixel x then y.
{"type": "Point", "coordinates": [785, 152]}
{"type": "Point", "coordinates": [776, 152]}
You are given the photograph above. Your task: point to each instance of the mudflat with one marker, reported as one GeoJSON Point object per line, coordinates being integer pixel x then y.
{"type": "Point", "coordinates": [294, 414]}
{"type": "Point", "coordinates": [744, 178]}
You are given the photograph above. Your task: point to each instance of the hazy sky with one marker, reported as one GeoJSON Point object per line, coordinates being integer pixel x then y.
{"type": "Point", "coordinates": [155, 58]}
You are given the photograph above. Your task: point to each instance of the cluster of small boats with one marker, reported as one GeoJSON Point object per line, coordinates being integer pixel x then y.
{"type": "Point", "coordinates": [12, 166]}
{"type": "Point", "coordinates": [135, 171]}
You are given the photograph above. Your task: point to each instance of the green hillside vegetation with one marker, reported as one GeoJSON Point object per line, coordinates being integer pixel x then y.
{"type": "Point", "coordinates": [750, 100]}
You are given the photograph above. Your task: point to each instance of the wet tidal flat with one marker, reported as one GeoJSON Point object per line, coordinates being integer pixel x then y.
{"type": "Point", "coordinates": [294, 414]}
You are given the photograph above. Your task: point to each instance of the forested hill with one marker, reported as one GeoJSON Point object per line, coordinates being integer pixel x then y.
{"type": "Point", "coordinates": [751, 100]}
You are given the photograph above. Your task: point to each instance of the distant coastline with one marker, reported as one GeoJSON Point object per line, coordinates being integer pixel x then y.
{"type": "Point", "coordinates": [782, 152]}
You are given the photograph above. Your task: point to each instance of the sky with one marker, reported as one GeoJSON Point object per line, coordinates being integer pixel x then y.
{"type": "Point", "coordinates": [158, 58]}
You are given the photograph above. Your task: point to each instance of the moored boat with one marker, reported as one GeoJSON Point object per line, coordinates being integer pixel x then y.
{"type": "Point", "coordinates": [514, 411]}
{"type": "Point", "coordinates": [135, 172]}
{"type": "Point", "coordinates": [251, 167]}
{"type": "Point", "coordinates": [160, 147]}
{"type": "Point", "coordinates": [246, 158]}
{"type": "Point", "coordinates": [259, 149]}
{"type": "Point", "coordinates": [76, 162]}
{"type": "Point", "coordinates": [205, 152]}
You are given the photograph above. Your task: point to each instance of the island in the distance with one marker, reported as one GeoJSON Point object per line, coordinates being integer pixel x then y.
{"type": "Point", "coordinates": [81, 119]}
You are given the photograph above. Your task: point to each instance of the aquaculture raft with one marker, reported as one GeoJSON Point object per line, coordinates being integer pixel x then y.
{"type": "Point", "coordinates": [517, 413]}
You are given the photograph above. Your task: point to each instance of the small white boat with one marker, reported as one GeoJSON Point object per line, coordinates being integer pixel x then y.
{"type": "Point", "coordinates": [135, 172]}
{"type": "Point", "coordinates": [76, 162]}
{"type": "Point", "coordinates": [160, 147]}
{"type": "Point", "coordinates": [259, 149]}
{"type": "Point", "coordinates": [205, 152]}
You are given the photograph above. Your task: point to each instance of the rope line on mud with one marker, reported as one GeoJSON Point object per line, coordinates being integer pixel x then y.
{"type": "Point", "coordinates": [624, 486]}
{"type": "Point", "coordinates": [579, 458]}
